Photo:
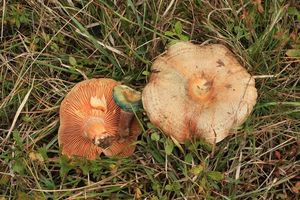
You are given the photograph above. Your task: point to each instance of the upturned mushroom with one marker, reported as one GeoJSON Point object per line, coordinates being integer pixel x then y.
{"type": "Point", "coordinates": [198, 92]}
{"type": "Point", "coordinates": [90, 121]}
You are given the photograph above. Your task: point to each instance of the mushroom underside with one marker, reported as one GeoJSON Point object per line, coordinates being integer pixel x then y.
{"type": "Point", "coordinates": [89, 122]}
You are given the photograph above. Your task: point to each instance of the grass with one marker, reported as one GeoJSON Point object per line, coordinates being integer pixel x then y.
{"type": "Point", "coordinates": [46, 48]}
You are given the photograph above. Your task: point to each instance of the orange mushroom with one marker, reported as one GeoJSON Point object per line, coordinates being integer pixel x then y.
{"type": "Point", "coordinates": [90, 120]}
{"type": "Point", "coordinates": [198, 91]}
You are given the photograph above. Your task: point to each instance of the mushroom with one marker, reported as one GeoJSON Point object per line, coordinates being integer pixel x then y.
{"type": "Point", "coordinates": [198, 92]}
{"type": "Point", "coordinates": [90, 120]}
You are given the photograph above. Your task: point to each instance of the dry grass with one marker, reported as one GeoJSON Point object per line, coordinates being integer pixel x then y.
{"type": "Point", "coordinates": [120, 39]}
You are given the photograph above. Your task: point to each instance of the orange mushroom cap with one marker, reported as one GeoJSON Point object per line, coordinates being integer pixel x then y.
{"type": "Point", "coordinates": [89, 120]}
{"type": "Point", "coordinates": [198, 91]}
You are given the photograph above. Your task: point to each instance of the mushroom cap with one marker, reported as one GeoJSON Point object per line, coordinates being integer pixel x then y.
{"type": "Point", "coordinates": [198, 91]}
{"type": "Point", "coordinates": [88, 113]}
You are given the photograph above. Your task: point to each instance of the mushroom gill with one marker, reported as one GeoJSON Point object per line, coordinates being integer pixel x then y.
{"type": "Point", "coordinates": [90, 120]}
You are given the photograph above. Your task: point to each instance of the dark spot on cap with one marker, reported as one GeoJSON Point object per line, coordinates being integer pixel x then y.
{"type": "Point", "coordinates": [228, 53]}
{"type": "Point", "coordinates": [208, 83]}
{"type": "Point", "coordinates": [155, 71]}
{"type": "Point", "coordinates": [228, 86]}
{"type": "Point", "coordinates": [220, 63]}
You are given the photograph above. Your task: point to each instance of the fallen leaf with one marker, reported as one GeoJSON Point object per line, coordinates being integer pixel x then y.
{"type": "Point", "coordinates": [138, 193]}
{"type": "Point", "coordinates": [277, 155]}
{"type": "Point", "coordinates": [36, 157]}
{"type": "Point", "coordinates": [296, 188]}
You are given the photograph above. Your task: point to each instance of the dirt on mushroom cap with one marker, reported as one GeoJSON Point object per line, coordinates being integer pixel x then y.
{"type": "Point", "coordinates": [198, 91]}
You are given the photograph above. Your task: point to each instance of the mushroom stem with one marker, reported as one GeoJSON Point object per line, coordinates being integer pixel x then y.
{"type": "Point", "coordinates": [129, 100]}
{"type": "Point", "coordinates": [125, 123]}
{"type": "Point", "coordinates": [94, 127]}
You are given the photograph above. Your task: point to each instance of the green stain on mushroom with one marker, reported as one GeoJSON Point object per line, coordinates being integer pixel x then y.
{"type": "Point", "coordinates": [127, 98]}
